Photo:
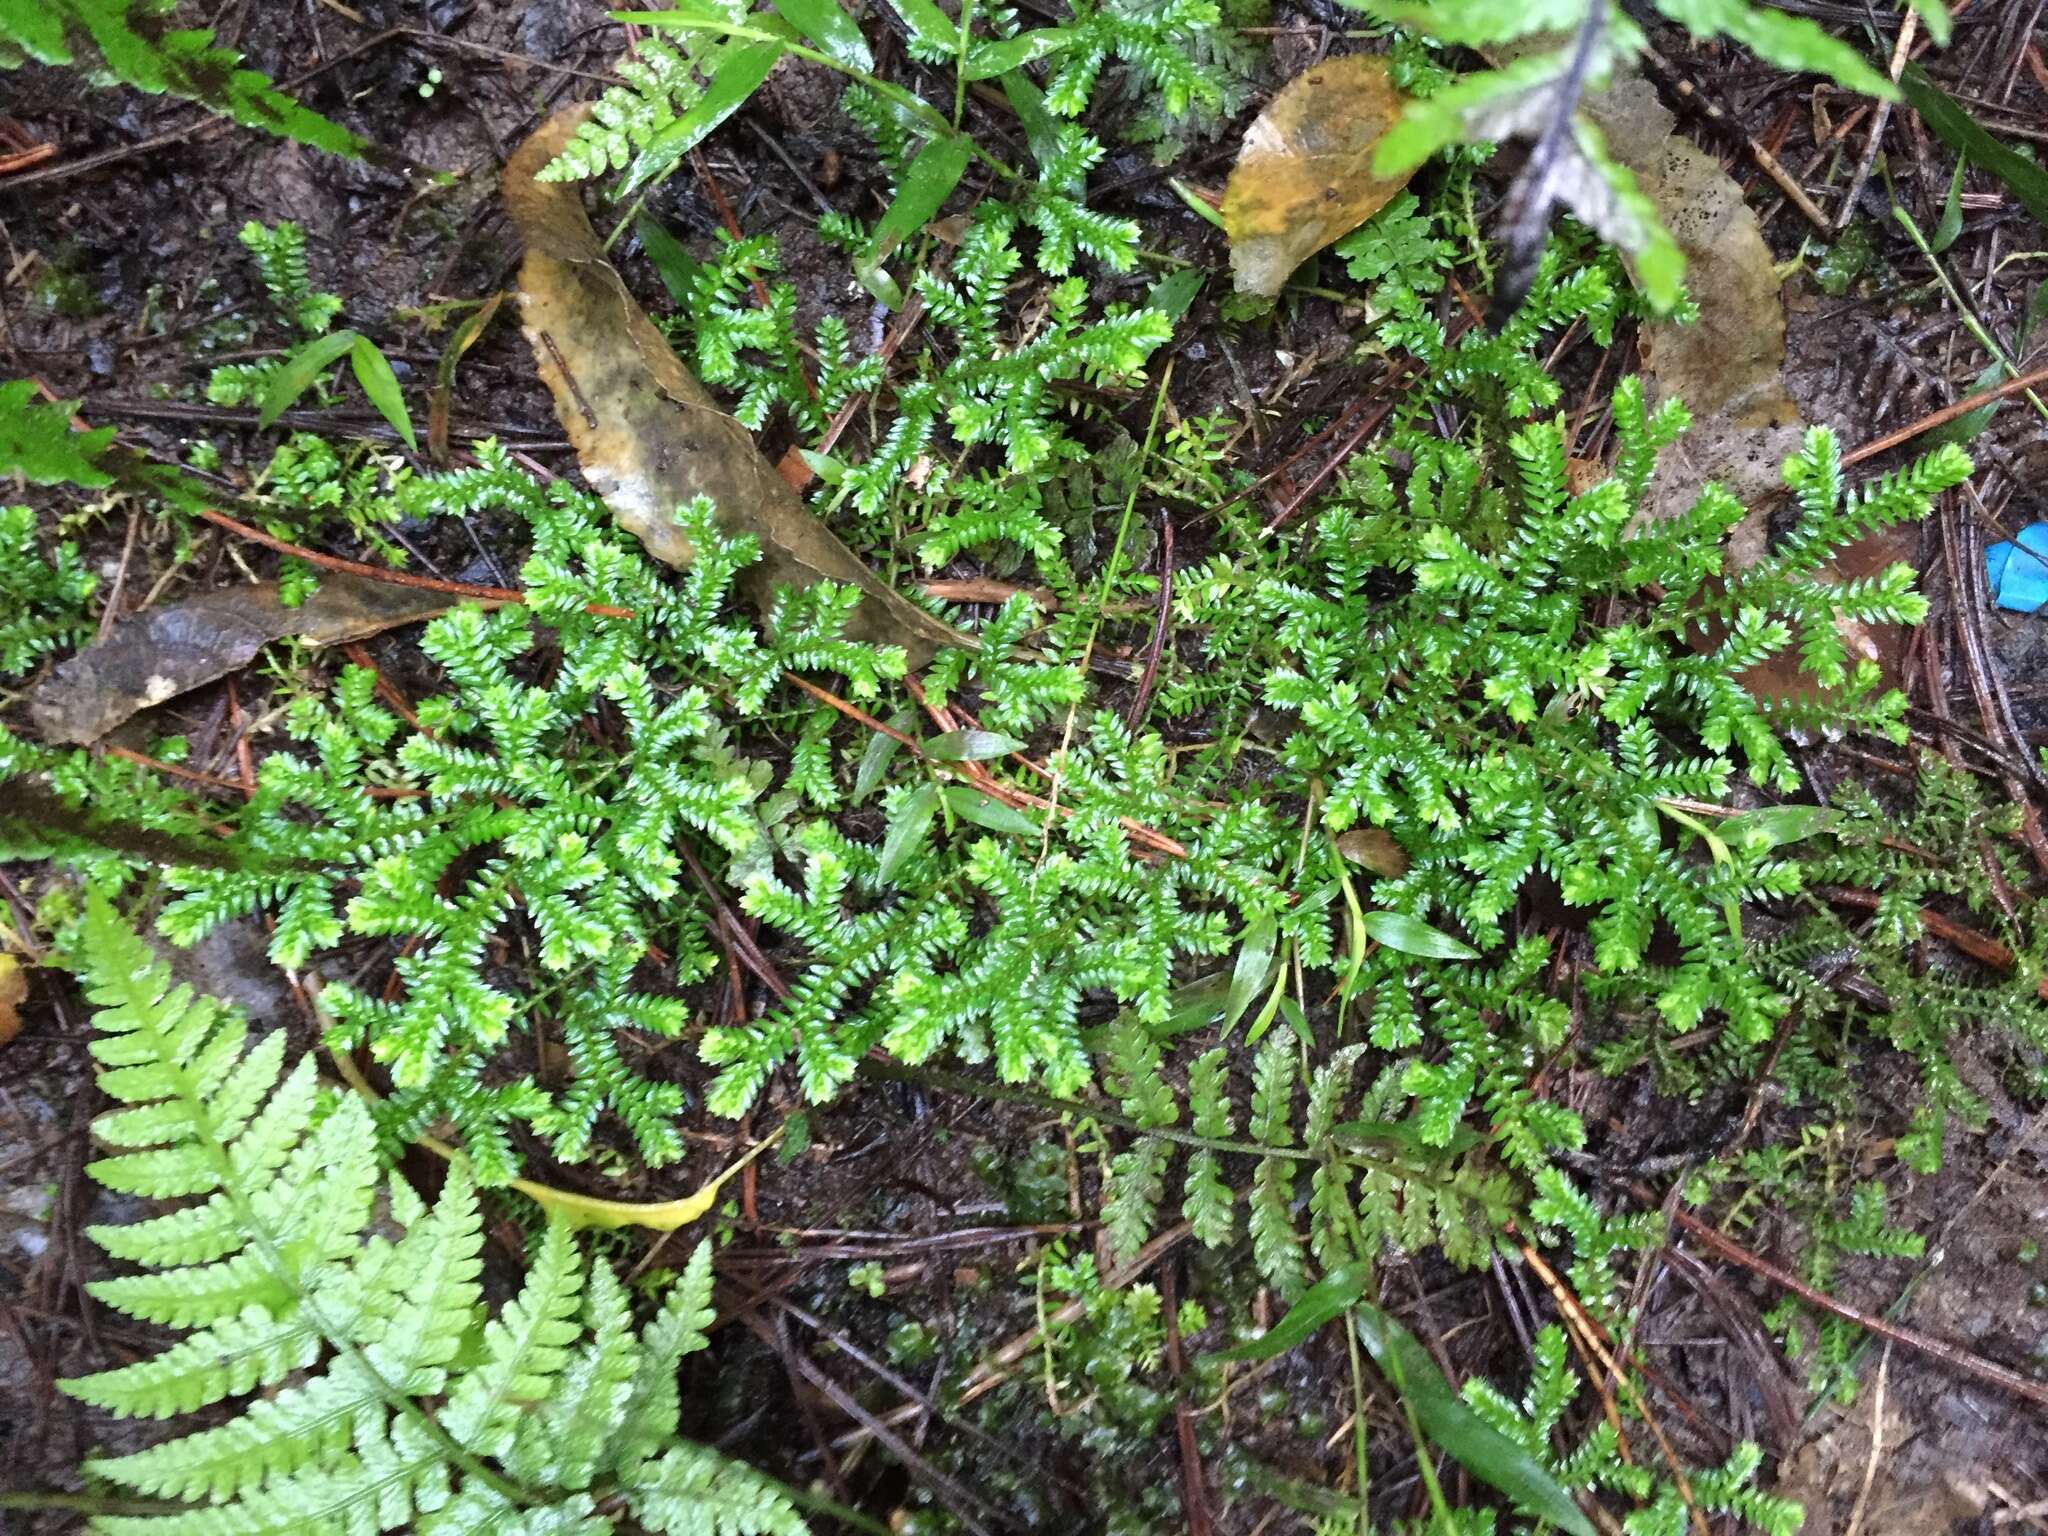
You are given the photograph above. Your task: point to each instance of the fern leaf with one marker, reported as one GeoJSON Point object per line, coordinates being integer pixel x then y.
{"type": "Point", "coordinates": [233, 1356]}
{"type": "Point", "coordinates": [384, 1393]}
{"type": "Point", "coordinates": [691, 1490]}
{"type": "Point", "coordinates": [678, 1330]}
{"type": "Point", "coordinates": [568, 1440]}
{"type": "Point", "coordinates": [525, 1349]}
{"type": "Point", "coordinates": [131, 41]}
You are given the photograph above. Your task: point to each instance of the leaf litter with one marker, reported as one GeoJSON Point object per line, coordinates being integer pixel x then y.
{"type": "Point", "coordinates": [156, 655]}
{"type": "Point", "coordinates": [649, 436]}
{"type": "Point", "coordinates": [1727, 365]}
{"type": "Point", "coordinates": [1304, 175]}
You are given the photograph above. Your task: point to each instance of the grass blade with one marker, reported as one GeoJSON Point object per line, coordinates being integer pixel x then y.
{"type": "Point", "coordinates": [297, 373]}
{"type": "Point", "coordinates": [373, 371]}
{"type": "Point", "coordinates": [927, 182]}
{"type": "Point", "coordinates": [738, 75]}
{"type": "Point", "coordinates": [1454, 1428]}
{"type": "Point", "coordinates": [1412, 936]}
{"type": "Point", "coordinates": [1954, 126]}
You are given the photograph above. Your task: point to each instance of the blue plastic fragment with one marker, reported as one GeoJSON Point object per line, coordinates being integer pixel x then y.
{"type": "Point", "coordinates": [2020, 584]}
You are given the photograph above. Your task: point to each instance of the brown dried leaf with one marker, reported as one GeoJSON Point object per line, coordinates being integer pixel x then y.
{"type": "Point", "coordinates": [1304, 174]}
{"type": "Point", "coordinates": [1728, 366]}
{"type": "Point", "coordinates": [164, 652]}
{"type": "Point", "coordinates": [1376, 850]}
{"type": "Point", "coordinates": [649, 437]}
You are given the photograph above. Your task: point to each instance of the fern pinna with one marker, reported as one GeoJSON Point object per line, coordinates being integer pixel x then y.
{"type": "Point", "coordinates": [135, 42]}
{"type": "Point", "coordinates": [379, 1392]}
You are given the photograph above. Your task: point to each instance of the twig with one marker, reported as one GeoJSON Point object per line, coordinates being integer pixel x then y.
{"type": "Point", "coordinates": [1137, 711]}
{"type": "Point", "coordinates": [1584, 1324]}
{"type": "Point", "coordinates": [390, 577]}
{"type": "Point", "coordinates": [1987, 1371]}
{"type": "Point", "coordinates": [1861, 179]}
{"type": "Point", "coordinates": [1978, 946]}
{"type": "Point", "coordinates": [1942, 417]}
{"type": "Point", "coordinates": [958, 1499]}
{"type": "Point", "coordinates": [1336, 461]}
{"type": "Point", "coordinates": [111, 610]}
{"type": "Point", "coordinates": [1856, 1513]}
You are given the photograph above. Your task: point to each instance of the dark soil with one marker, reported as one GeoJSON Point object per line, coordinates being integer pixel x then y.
{"type": "Point", "coordinates": [122, 285]}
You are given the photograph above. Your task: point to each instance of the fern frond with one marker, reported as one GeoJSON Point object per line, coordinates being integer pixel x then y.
{"type": "Point", "coordinates": [389, 1399]}
{"type": "Point", "coordinates": [133, 42]}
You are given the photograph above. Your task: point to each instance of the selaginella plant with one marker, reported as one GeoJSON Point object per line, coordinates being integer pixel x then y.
{"type": "Point", "coordinates": [1503, 676]}
{"type": "Point", "coordinates": [377, 1390]}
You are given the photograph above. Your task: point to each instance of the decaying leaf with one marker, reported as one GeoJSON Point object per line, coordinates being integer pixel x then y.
{"type": "Point", "coordinates": [649, 437]}
{"type": "Point", "coordinates": [1728, 362]}
{"type": "Point", "coordinates": [13, 992]}
{"type": "Point", "coordinates": [1375, 849]}
{"type": "Point", "coordinates": [1304, 175]}
{"type": "Point", "coordinates": [164, 652]}
{"type": "Point", "coordinates": [1728, 367]}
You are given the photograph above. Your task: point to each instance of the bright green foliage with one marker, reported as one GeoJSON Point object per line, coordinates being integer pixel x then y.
{"type": "Point", "coordinates": [660, 86]}
{"type": "Point", "coordinates": [558, 830]}
{"type": "Point", "coordinates": [1398, 252]}
{"type": "Point", "coordinates": [990, 392]}
{"type": "Point", "coordinates": [1599, 1462]}
{"type": "Point", "coordinates": [312, 486]}
{"type": "Point", "coordinates": [386, 1398]}
{"type": "Point", "coordinates": [914, 969]}
{"type": "Point", "coordinates": [280, 253]}
{"type": "Point", "coordinates": [1108, 1351]}
{"type": "Point", "coordinates": [1156, 38]}
{"type": "Point", "coordinates": [36, 440]}
{"type": "Point", "coordinates": [1480, 716]}
{"type": "Point", "coordinates": [755, 352]}
{"type": "Point", "coordinates": [133, 42]}
{"type": "Point", "coordinates": [42, 601]}
{"type": "Point", "coordinates": [1057, 209]}
{"type": "Point", "coordinates": [280, 256]}
{"type": "Point", "coordinates": [1934, 850]}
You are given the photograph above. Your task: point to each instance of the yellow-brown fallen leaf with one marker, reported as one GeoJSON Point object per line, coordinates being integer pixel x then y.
{"type": "Point", "coordinates": [580, 1210]}
{"type": "Point", "coordinates": [1376, 850]}
{"type": "Point", "coordinates": [649, 437]}
{"type": "Point", "coordinates": [1729, 362]}
{"type": "Point", "coordinates": [13, 992]}
{"type": "Point", "coordinates": [1304, 174]}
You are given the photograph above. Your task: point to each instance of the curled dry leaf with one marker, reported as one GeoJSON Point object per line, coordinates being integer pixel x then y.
{"type": "Point", "coordinates": [649, 437]}
{"type": "Point", "coordinates": [164, 652]}
{"type": "Point", "coordinates": [1304, 174]}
